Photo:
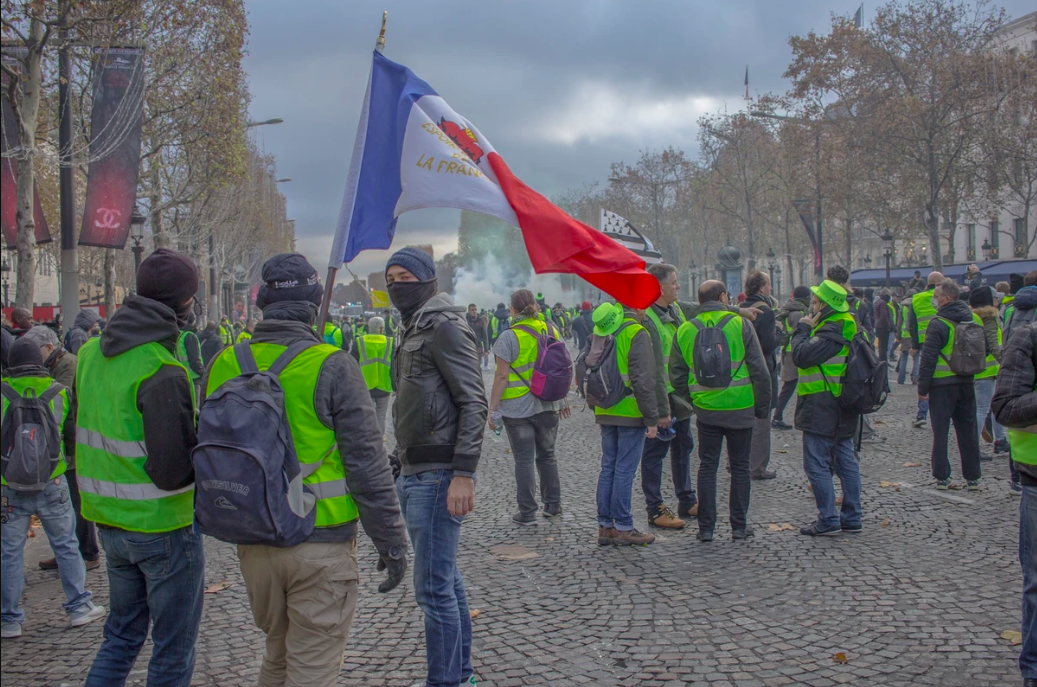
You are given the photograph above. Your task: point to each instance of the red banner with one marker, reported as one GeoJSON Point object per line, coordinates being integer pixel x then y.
{"type": "Point", "coordinates": [9, 165]}
{"type": "Point", "coordinates": [115, 123]}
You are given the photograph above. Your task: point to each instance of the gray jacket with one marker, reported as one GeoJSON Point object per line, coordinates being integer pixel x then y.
{"type": "Point", "coordinates": [343, 405]}
{"type": "Point", "coordinates": [641, 371]}
{"type": "Point", "coordinates": [441, 402]}
{"type": "Point", "coordinates": [759, 375]}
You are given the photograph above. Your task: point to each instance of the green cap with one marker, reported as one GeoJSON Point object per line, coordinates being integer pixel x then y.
{"type": "Point", "coordinates": [607, 317]}
{"type": "Point", "coordinates": [832, 294]}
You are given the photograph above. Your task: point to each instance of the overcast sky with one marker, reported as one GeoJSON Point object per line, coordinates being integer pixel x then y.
{"type": "Point", "coordinates": [561, 89]}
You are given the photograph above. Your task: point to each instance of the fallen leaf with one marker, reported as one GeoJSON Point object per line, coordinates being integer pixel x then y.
{"type": "Point", "coordinates": [780, 451]}
{"type": "Point", "coordinates": [889, 484]}
{"type": "Point", "coordinates": [1012, 636]}
{"type": "Point", "coordinates": [513, 552]}
{"type": "Point", "coordinates": [884, 523]}
{"type": "Point", "coordinates": [507, 450]}
{"type": "Point", "coordinates": [840, 658]}
{"type": "Point", "coordinates": [218, 587]}
{"type": "Point", "coordinates": [549, 539]}
{"type": "Point", "coordinates": [474, 613]}
{"type": "Point", "coordinates": [783, 527]}
{"type": "Point", "coordinates": [912, 465]}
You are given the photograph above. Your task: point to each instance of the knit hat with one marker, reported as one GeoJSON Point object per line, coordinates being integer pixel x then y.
{"type": "Point", "coordinates": [832, 294]}
{"type": "Point", "coordinates": [586, 306]}
{"type": "Point", "coordinates": [289, 277]}
{"type": "Point", "coordinates": [414, 260]}
{"type": "Point", "coordinates": [981, 297]}
{"type": "Point", "coordinates": [25, 352]}
{"type": "Point", "coordinates": [1015, 282]}
{"type": "Point", "coordinates": [607, 318]}
{"type": "Point", "coordinates": [801, 292]}
{"type": "Point", "coordinates": [167, 277]}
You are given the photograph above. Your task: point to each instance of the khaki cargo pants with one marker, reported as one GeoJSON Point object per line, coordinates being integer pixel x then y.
{"type": "Point", "coordinates": [304, 599]}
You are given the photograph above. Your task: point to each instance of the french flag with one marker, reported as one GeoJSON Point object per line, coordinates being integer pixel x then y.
{"type": "Point", "coordinates": [414, 151]}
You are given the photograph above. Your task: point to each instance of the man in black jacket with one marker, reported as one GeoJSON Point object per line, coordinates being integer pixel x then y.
{"type": "Point", "coordinates": [210, 342]}
{"type": "Point", "coordinates": [583, 325]}
{"type": "Point", "coordinates": [820, 346]}
{"type": "Point", "coordinates": [438, 417]}
{"type": "Point", "coordinates": [758, 295]}
{"type": "Point", "coordinates": [1015, 406]}
{"type": "Point", "coordinates": [955, 400]}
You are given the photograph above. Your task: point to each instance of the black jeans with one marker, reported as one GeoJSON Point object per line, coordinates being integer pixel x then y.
{"type": "Point", "coordinates": [954, 403]}
{"type": "Point", "coordinates": [787, 390]}
{"type": "Point", "coordinates": [883, 335]}
{"type": "Point", "coordinates": [533, 443]}
{"type": "Point", "coordinates": [86, 531]}
{"type": "Point", "coordinates": [680, 448]}
{"type": "Point", "coordinates": [739, 442]}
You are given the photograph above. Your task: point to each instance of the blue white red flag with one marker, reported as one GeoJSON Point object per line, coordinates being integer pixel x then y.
{"type": "Point", "coordinates": [414, 151]}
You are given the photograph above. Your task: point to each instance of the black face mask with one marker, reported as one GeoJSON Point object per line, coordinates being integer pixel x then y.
{"type": "Point", "coordinates": [409, 296]}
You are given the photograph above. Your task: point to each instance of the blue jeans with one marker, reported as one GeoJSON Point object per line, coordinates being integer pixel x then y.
{"type": "Point", "coordinates": [1028, 560]}
{"type": "Point", "coordinates": [53, 506]}
{"type": "Point", "coordinates": [621, 449]}
{"type": "Point", "coordinates": [655, 450]}
{"type": "Point", "coordinates": [438, 586]}
{"type": "Point", "coordinates": [157, 577]}
{"type": "Point", "coordinates": [821, 456]}
{"type": "Point", "coordinates": [985, 392]}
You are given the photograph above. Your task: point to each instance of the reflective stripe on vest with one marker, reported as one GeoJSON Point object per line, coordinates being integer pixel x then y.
{"type": "Point", "coordinates": [181, 355]}
{"type": "Point", "coordinates": [376, 360]}
{"type": "Point", "coordinates": [226, 335]}
{"type": "Point", "coordinates": [521, 369]}
{"type": "Point", "coordinates": [738, 395]}
{"type": "Point", "coordinates": [110, 450]}
{"type": "Point", "coordinates": [828, 376]}
{"type": "Point", "coordinates": [921, 305]}
{"type": "Point", "coordinates": [628, 406]}
{"type": "Point", "coordinates": [315, 444]}
{"type": "Point", "coordinates": [667, 332]}
{"type": "Point", "coordinates": [59, 407]}
{"type": "Point", "coordinates": [993, 366]}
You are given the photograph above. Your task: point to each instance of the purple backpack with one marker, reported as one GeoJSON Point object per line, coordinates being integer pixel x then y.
{"type": "Point", "coordinates": [553, 368]}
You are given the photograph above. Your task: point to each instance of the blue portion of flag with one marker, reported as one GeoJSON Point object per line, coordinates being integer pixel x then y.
{"type": "Point", "coordinates": [370, 217]}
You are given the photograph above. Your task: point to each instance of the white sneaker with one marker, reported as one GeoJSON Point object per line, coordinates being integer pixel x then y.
{"type": "Point", "coordinates": [10, 630]}
{"type": "Point", "coordinates": [86, 615]}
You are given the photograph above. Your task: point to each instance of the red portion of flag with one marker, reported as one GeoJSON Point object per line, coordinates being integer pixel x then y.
{"type": "Point", "coordinates": [558, 243]}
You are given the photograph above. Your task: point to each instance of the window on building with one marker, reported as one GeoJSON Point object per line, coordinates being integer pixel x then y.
{"type": "Point", "coordinates": [1022, 241]}
{"type": "Point", "coordinates": [995, 234]}
{"type": "Point", "coordinates": [971, 235]}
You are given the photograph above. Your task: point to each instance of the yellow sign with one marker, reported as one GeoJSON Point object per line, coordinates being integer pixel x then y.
{"type": "Point", "coordinates": [379, 299]}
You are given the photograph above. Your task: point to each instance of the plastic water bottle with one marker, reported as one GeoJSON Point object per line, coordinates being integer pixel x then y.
{"type": "Point", "coordinates": [498, 422]}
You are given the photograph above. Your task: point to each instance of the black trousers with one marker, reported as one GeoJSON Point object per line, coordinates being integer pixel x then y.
{"type": "Point", "coordinates": [954, 403]}
{"type": "Point", "coordinates": [883, 335]}
{"type": "Point", "coordinates": [788, 389]}
{"type": "Point", "coordinates": [86, 532]}
{"type": "Point", "coordinates": [739, 443]}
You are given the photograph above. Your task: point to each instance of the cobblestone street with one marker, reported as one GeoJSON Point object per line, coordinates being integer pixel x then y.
{"type": "Point", "coordinates": [920, 598]}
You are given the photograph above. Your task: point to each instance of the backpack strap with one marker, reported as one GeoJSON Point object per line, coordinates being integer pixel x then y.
{"type": "Point", "coordinates": [9, 393]}
{"type": "Point", "coordinates": [51, 391]}
{"type": "Point", "coordinates": [246, 361]}
{"type": "Point", "coordinates": [288, 355]}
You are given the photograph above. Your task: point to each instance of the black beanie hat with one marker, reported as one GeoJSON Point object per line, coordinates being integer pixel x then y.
{"type": "Point", "coordinates": [25, 352]}
{"type": "Point", "coordinates": [981, 297]}
{"type": "Point", "coordinates": [1015, 282]}
{"type": "Point", "coordinates": [167, 277]}
{"type": "Point", "coordinates": [289, 277]}
{"type": "Point", "coordinates": [801, 292]}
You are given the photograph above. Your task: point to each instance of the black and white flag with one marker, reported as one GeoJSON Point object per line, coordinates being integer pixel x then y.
{"type": "Point", "coordinates": [623, 232]}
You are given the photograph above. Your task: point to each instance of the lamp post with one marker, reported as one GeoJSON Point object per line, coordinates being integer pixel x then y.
{"type": "Point", "coordinates": [887, 252]}
{"type": "Point", "coordinates": [6, 269]}
{"type": "Point", "coordinates": [986, 250]}
{"type": "Point", "coordinates": [137, 234]}
{"type": "Point", "coordinates": [770, 264]}
{"type": "Point", "coordinates": [691, 273]}
{"type": "Point", "coordinates": [777, 281]}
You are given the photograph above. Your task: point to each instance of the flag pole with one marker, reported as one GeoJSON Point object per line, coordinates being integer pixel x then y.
{"type": "Point", "coordinates": [329, 287]}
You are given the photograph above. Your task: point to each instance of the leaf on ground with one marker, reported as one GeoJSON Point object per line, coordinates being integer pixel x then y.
{"type": "Point", "coordinates": [507, 450]}
{"type": "Point", "coordinates": [884, 523]}
{"type": "Point", "coordinates": [218, 587]}
{"type": "Point", "coordinates": [783, 527]}
{"type": "Point", "coordinates": [474, 613]}
{"type": "Point", "coordinates": [840, 658]}
{"type": "Point", "coordinates": [1012, 636]}
{"type": "Point", "coordinates": [912, 465]}
{"type": "Point", "coordinates": [549, 539]}
{"type": "Point", "coordinates": [782, 451]}
{"type": "Point", "coordinates": [889, 484]}
{"type": "Point", "coordinates": [513, 552]}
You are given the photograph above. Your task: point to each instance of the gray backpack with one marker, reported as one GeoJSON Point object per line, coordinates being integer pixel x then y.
{"type": "Point", "coordinates": [597, 371]}
{"type": "Point", "coordinates": [30, 442]}
{"type": "Point", "coordinates": [969, 353]}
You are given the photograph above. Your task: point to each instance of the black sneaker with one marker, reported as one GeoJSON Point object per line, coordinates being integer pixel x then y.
{"type": "Point", "coordinates": [1001, 446]}
{"type": "Point", "coordinates": [766, 474]}
{"type": "Point", "coordinates": [986, 457]}
{"type": "Point", "coordinates": [742, 534]}
{"type": "Point", "coordinates": [523, 522]}
{"type": "Point", "coordinates": [705, 535]}
{"type": "Point", "coordinates": [780, 424]}
{"type": "Point", "coordinates": [852, 529]}
{"type": "Point", "coordinates": [919, 422]}
{"type": "Point", "coordinates": [816, 530]}
{"type": "Point", "coordinates": [551, 512]}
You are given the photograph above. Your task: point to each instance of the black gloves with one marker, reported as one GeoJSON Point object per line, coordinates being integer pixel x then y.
{"type": "Point", "coordinates": [396, 564]}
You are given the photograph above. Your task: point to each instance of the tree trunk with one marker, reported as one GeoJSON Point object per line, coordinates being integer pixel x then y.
{"type": "Point", "coordinates": [932, 220]}
{"type": "Point", "coordinates": [158, 230]}
{"type": "Point", "coordinates": [109, 282]}
{"type": "Point", "coordinates": [27, 112]}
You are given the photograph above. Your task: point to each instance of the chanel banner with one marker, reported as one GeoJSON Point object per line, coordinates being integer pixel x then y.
{"type": "Point", "coordinates": [9, 164]}
{"type": "Point", "coordinates": [115, 122]}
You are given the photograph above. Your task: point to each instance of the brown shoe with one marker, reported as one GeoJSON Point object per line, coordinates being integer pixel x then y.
{"type": "Point", "coordinates": [606, 535]}
{"type": "Point", "coordinates": [92, 563]}
{"type": "Point", "coordinates": [665, 519]}
{"type": "Point", "coordinates": [838, 500]}
{"type": "Point", "coordinates": [632, 538]}
{"type": "Point", "coordinates": [52, 563]}
{"type": "Point", "coordinates": [689, 512]}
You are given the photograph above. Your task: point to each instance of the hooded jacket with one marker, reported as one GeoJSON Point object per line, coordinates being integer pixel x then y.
{"type": "Point", "coordinates": [792, 312]}
{"type": "Point", "coordinates": [765, 325]}
{"type": "Point", "coordinates": [583, 327]}
{"type": "Point", "coordinates": [80, 331]}
{"type": "Point", "coordinates": [344, 406]}
{"type": "Point", "coordinates": [441, 404]}
{"type": "Point", "coordinates": [165, 400]}
{"type": "Point", "coordinates": [1025, 305]}
{"type": "Point", "coordinates": [210, 344]}
{"type": "Point", "coordinates": [1015, 401]}
{"type": "Point", "coordinates": [883, 319]}
{"type": "Point", "coordinates": [759, 375]}
{"type": "Point", "coordinates": [988, 314]}
{"type": "Point", "coordinates": [821, 413]}
{"type": "Point", "coordinates": [936, 337]}
{"type": "Point", "coordinates": [68, 428]}
{"type": "Point", "coordinates": [641, 371]}
{"type": "Point", "coordinates": [504, 317]}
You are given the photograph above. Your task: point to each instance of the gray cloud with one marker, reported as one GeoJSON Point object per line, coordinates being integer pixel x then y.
{"type": "Point", "coordinates": [561, 89]}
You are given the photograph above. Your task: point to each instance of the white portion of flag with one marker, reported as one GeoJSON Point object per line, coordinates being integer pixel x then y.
{"type": "Point", "coordinates": [623, 232]}
{"type": "Point", "coordinates": [436, 172]}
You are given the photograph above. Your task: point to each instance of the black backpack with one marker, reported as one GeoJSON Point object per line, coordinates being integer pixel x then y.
{"type": "Point", "coordinates": [30, 441]}
{"type": "Point", "coordinates": [711, 356]}
{"type": "Point", "coordinates": [597, 371]}
{"type": "Point", "coordinates": [866, 383]}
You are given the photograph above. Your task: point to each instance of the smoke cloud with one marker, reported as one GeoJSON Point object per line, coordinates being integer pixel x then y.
{"type": "Point", "coordinates": [487, 283]}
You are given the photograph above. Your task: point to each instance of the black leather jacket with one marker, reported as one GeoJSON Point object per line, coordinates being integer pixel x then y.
{"type": "Point", "coordinates": [441, 402]}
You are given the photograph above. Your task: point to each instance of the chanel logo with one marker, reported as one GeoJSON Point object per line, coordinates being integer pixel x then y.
{"type": "Point", "coordinates": [107, 218]}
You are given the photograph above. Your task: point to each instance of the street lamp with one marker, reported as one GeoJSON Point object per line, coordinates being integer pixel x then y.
{"type": "Point", "coordinates": [777, 281]}
{"type": "Point", "coordinates": [887, 252]}
{"type": "Point", "coordinates": [770, 263]}
{"type": "Point", "coordinates": [265, 122]}
{"type": "Point", "coordinates": [6, 269]}
{"type": "Point", "coordinates": [137, 234]}
{"type": "Point", "coordinates": [985, 248]}
{"type": "Point", "coordinates": [694, 277]}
